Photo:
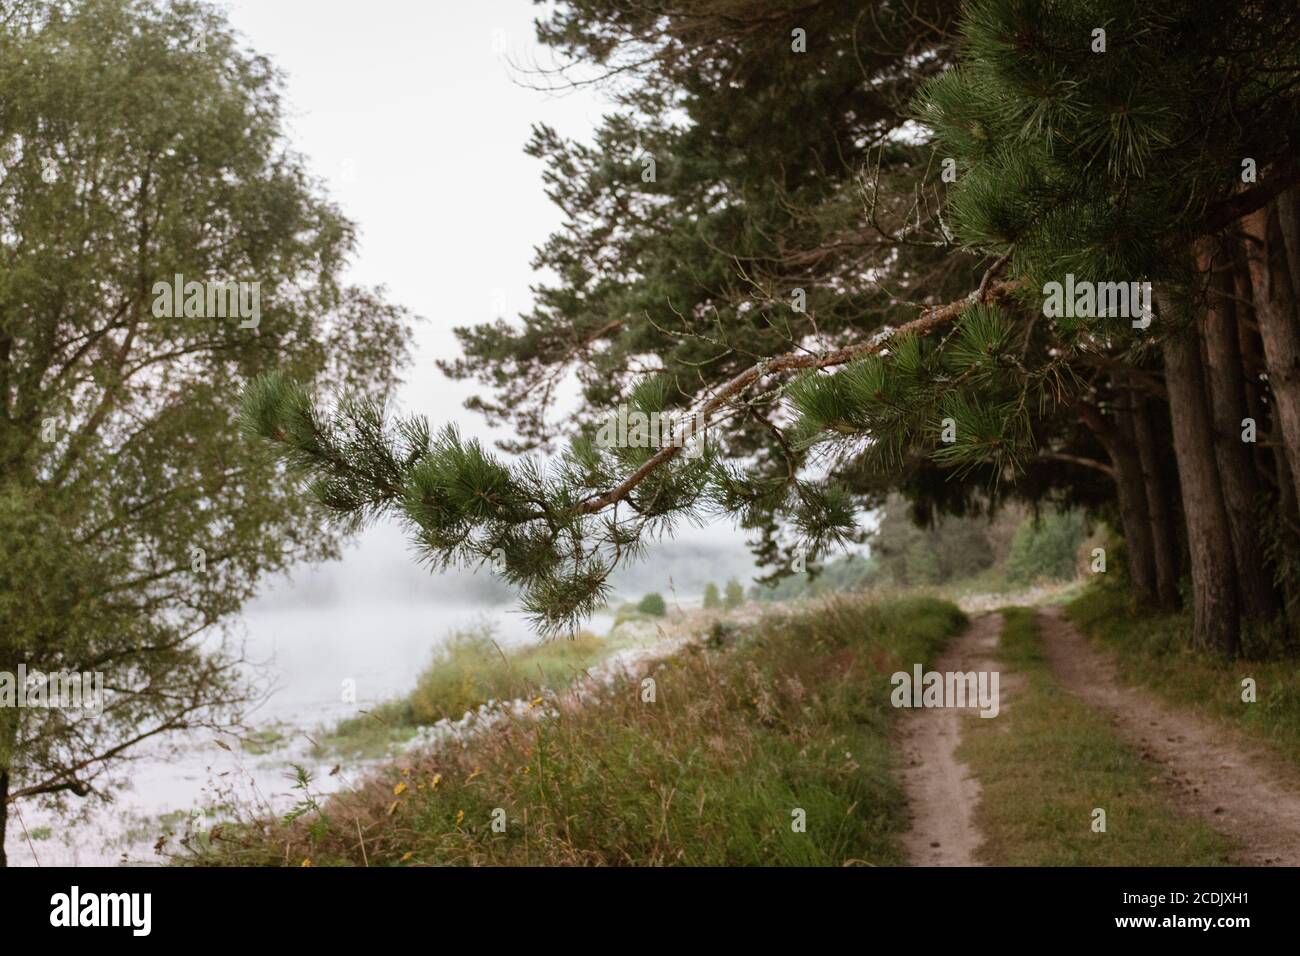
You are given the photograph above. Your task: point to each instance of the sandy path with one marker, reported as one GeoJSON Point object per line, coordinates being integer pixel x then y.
{"type": "Point", "coordinates": [1208, 769]}
{"type": "Point", "coordinates": [941, 792]}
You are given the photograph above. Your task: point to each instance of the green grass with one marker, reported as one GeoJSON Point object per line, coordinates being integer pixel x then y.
{"type": "Point", "coordinates": [262, 742]}
{"type": "Point", "coordinates": [791, 714]}
{"type": "Point", "coordinates": [467, 671]}
{"type": "Point", "coordinates": [1048, 760]}
{"type": "Point", "coordinates": [1154, 650]}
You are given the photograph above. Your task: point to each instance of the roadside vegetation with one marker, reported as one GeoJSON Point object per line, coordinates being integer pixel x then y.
{"type": "Point", "coordinates": [466, 672]}
{"type": "Point", "coordinates": [737, 741]}
{"type": "Point", "coordinates": [1048, 761]}
{"type": "Point", "coordinates": [950, 558]}
{"type": "Point", "coordinates": [1153, 650]}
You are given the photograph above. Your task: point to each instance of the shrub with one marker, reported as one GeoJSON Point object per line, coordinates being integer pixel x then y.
{"type": "Point", "coordinates": [1045, 549]}
{"type": "Point", "coordinates": [653, 604]}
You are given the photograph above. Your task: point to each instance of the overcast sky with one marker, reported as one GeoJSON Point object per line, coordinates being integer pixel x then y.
{"type": "Point", "coordinates": [415, 116]}
{"type": "Point", "coordinates": [416, 121]}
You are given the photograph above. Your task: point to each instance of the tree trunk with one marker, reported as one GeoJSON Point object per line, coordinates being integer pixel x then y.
{"type": "Point", "coordinates": [1288, 222]}
{"type": "Point", "coordinates": [1164, 542]}
{"type": "Point", "coordinates": [1254, 372]}
{"type": "Point", "coordinates": [8, 743]}
{"type": "Point", "coordinates": [1242, 491]}
{"type": "Point", "coordinates": [4, 814]}
{"type": "Point", "coordinates": [1278, 328]}
{"type": "Point", "coordinates": [1209, 539]}
{"type": "Point", "coordinates": [1132, 495]}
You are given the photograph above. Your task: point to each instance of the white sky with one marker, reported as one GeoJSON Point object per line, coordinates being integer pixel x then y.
{"type": "Point", "coordinates": [413, 114]}
{"type": "Point", "coordinates": [414, 117]}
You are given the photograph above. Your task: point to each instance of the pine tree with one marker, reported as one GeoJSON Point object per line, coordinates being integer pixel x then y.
{"type": "Point", "coordinates": [1092, 141]}
{"type": "Point", "coordinates": [1107, 140]}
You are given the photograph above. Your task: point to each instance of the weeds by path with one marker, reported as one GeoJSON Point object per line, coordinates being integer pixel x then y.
{"type": "Point", "coordinates": [770, 748]}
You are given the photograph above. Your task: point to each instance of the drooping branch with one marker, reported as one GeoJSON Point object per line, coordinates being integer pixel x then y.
{"type": "Point", "coordinates": [1279, 176]}
{"type": "Point", "coordinates": [932, 318]}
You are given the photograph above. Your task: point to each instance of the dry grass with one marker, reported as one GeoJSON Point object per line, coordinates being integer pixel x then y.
{"type": "Point", "coordinates": [790, 715]}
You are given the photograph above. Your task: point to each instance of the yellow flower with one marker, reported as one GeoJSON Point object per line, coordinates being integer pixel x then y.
{"type": "Point", "coordinates": [460, 815]}
{"type": "Point", "coordinates": [406, 856]}
{"type": "Point", "coordinates": [305, 862]}
{"type": "Point", "coordinates": [399, 789]}
{"type": "Point", "coordinates": [433, 783]}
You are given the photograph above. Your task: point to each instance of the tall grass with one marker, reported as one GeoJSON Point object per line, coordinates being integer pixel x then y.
{"type": "Point", "coordinates": [743, 737]}
{"type": "Point", "coordinates": [467, 671]}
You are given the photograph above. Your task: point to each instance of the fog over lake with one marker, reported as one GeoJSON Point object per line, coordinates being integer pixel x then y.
{"type": "Point", "coordinates": [376, 617]}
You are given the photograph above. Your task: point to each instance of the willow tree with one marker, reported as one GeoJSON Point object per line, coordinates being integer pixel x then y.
{"type": "Point", "coordinates": [138, 142]}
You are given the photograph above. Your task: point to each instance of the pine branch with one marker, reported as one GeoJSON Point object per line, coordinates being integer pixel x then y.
{"type": "Point", "coordinates": [930, 320]}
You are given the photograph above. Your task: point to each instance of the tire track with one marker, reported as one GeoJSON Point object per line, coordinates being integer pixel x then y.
{"type": "Point", "coordinates": [1207, 768]}
{"type": "Point", "coordinates": [941, 791]}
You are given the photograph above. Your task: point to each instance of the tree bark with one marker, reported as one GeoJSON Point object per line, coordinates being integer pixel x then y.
{"type": "Point", "coordinates": [1164, 542]}
{"type": "Point", "coordinates": [1209, 540]}
{"type": "Point", "coordinates": [1278, 327]}
{"type": "Point", "coordinates": [1254, 372]}
{"type": "Point", "coordinates": [1131, 490]}
{"type": "Point", "coordinates": [1288, 222]}
{"type": "Point", "coordinates": [4, 814]}
{"type": "Point", "coordinates": [1242, 490]}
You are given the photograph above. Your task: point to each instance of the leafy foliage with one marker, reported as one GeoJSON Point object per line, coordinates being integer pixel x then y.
{"type": "Point", "coordinates": [135, 517]}
{"type": "Point", "coordinates": [1046, 548]}
{"type": "Point", "coordinates": [652, 604]}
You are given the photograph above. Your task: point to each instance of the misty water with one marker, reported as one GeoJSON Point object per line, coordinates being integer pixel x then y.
{"type": "Point", "coordinates": [374, 618]}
